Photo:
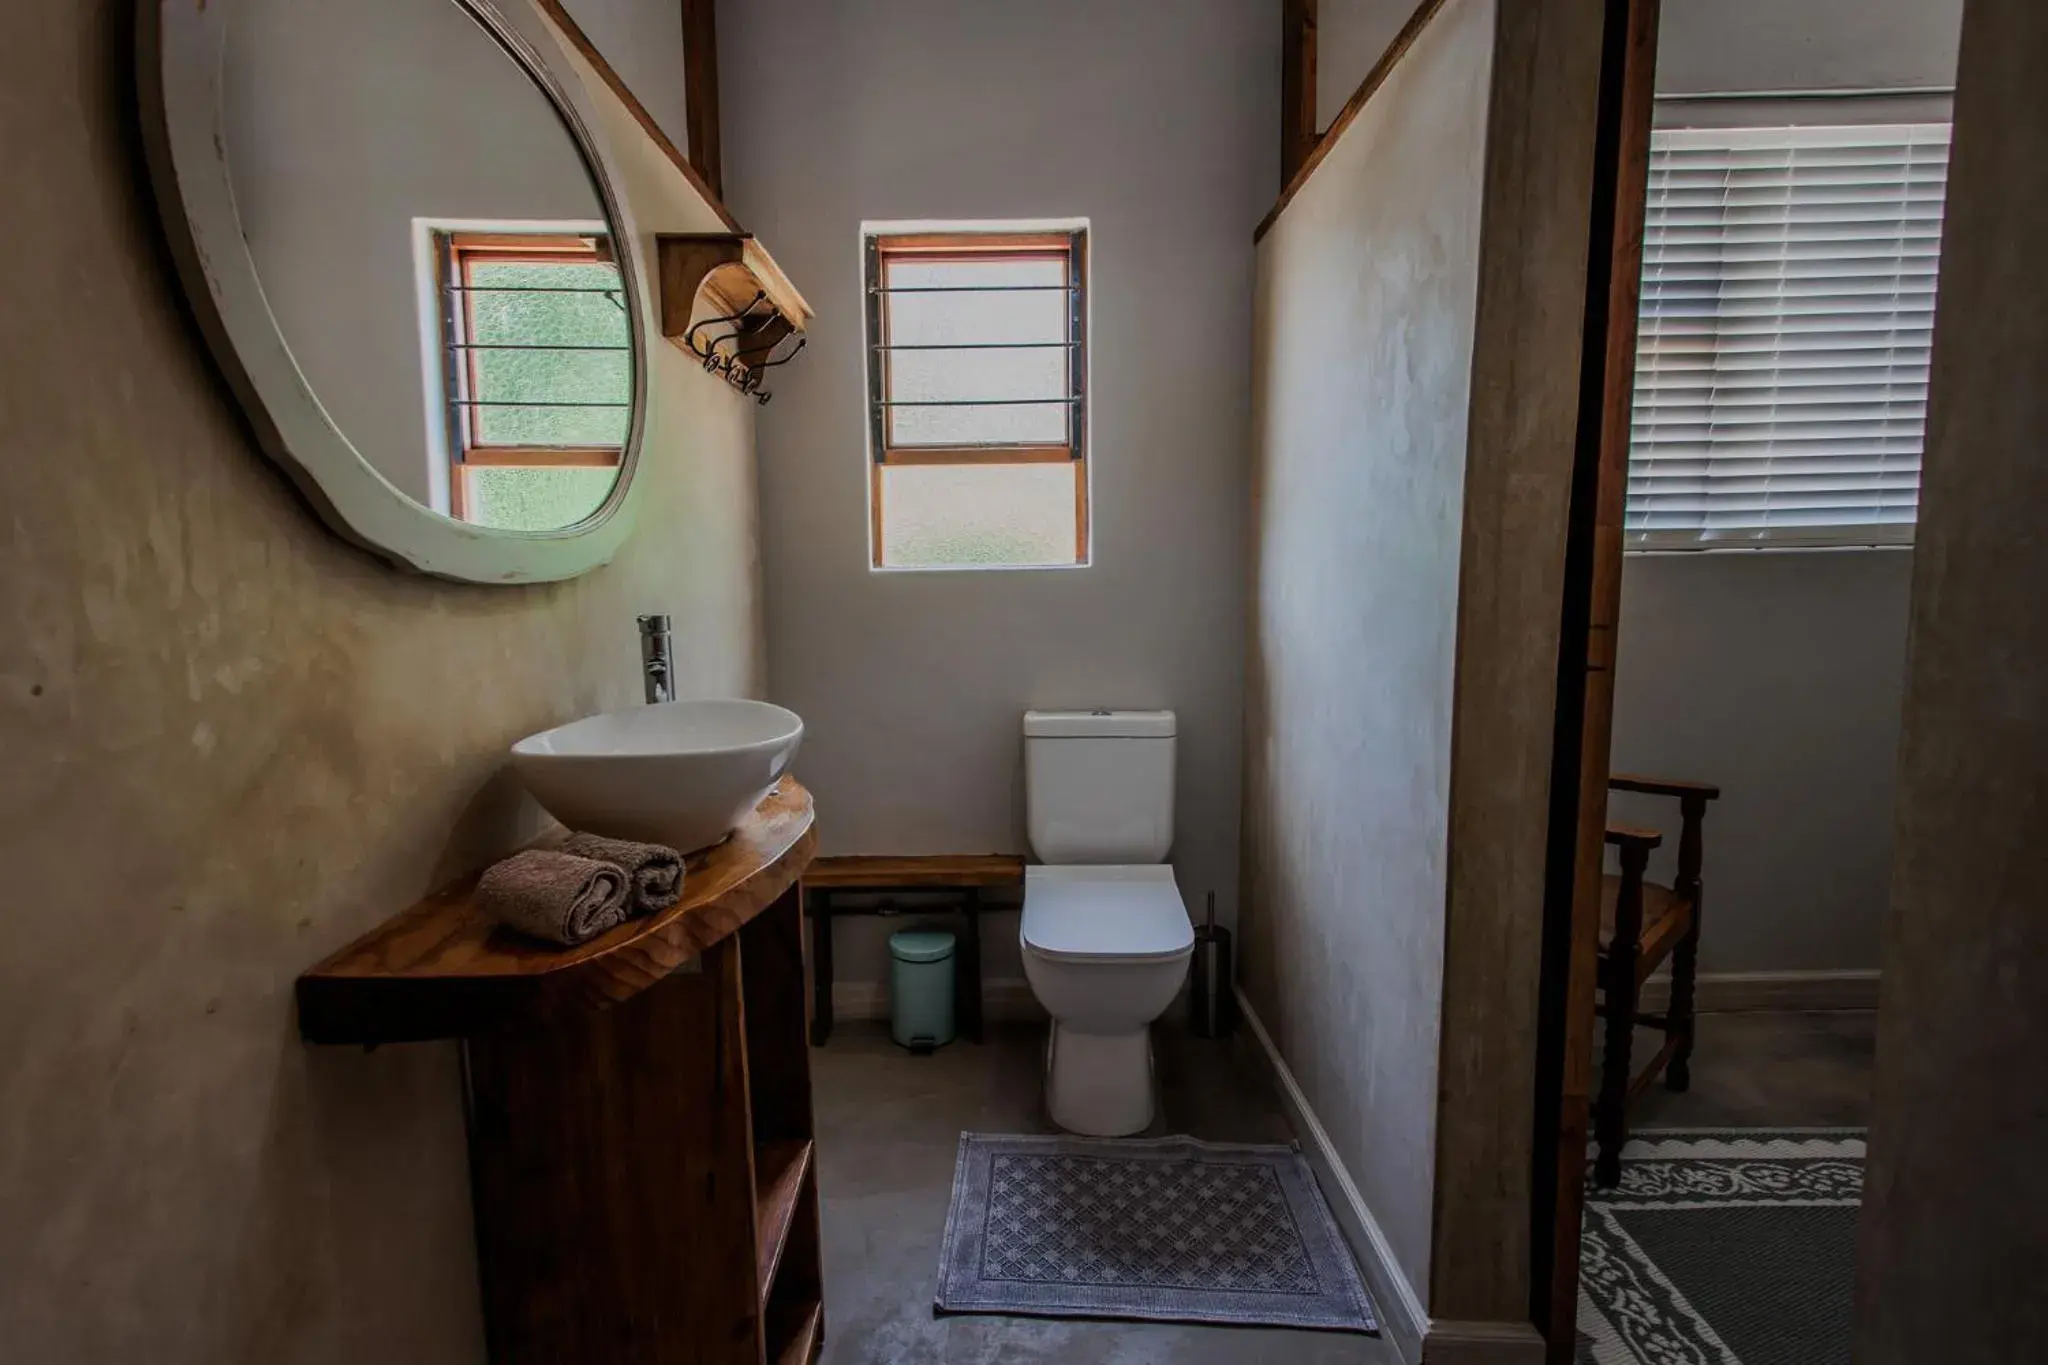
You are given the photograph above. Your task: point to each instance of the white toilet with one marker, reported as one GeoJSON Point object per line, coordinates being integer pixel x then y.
{"type": "Point", "coordinates": [1105, 936]}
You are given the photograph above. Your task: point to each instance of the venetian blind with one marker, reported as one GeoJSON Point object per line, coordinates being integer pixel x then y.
{"type": "Point", "coordinates": [1787, 308]}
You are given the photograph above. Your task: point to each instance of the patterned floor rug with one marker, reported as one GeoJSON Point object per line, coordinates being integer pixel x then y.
{"type": "Point", "coordinates": [1159, 1230]}
{"type": "Point", "coordinates": [1724, 1247]}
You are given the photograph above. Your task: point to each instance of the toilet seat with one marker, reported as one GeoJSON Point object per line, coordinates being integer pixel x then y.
{"type": "Point", "coordinates": [1105, 914]}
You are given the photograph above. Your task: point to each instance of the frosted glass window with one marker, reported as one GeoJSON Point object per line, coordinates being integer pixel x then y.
{"type": "Point", "coordinates": [535, 498]}
{"type": "Point", "coordinates": [977, 398]}
{"type": "Point", "coordinates": [978, 515]}
{"type": "Point", "coordinates": [537, 372]}
{"type": "Point", "coordinates": [553, 346]}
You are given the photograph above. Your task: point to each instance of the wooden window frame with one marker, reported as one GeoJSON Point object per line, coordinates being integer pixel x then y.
{"type": "Point", "coordinates": [455, 256]}
{"type": "Point", "coordinates": [883, 250]}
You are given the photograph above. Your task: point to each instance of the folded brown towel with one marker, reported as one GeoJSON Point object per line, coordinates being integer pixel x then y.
{"type": "Point", "coordinates": [656, 872]}
{"type": "Point", "coordinates": [556, 896]}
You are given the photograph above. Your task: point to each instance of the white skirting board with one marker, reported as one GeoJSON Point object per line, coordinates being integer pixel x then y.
{"type": "Point", "coordinates": [1402, 1316]}
{"type": "Point", "coordinates": [1745, 992]}
{"type": "Point", "coordinates": [1003, 999]}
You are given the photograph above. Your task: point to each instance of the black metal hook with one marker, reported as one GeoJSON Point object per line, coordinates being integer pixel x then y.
{"type": "Point", "coordinates": [755, 373]}
{"type": "Point", "coordinates": [767, 359]}
{"type": "Point", "coordinates": [742, 366]}
{"type": "Point", "coordinates": [772, 361]}
{"type": "Point", "coordinates": [693, 341]}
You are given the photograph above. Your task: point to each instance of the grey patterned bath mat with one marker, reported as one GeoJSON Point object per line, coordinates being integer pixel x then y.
{"type": "Point", "coordinates": [1158, 1230]}
{"type": "Point", "coordinates": [1723, 1247]}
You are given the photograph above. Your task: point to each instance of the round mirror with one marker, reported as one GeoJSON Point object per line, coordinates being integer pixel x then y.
{"type": "Point", "coordinates": [410, 259]}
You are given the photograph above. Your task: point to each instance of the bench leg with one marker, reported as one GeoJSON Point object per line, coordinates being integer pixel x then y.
{"type": "Point", "coordinates": [967, 986]}
{"type": "Point", "coordinates": [819, 903]}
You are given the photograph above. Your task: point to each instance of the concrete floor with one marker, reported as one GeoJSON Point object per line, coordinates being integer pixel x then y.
{"type": "Point", "coordinates": [1769, 1070]}
{"type": "Point", "coordinates": [888, 1128]}
{"type": "Point", "coordinates": [889, 1125]}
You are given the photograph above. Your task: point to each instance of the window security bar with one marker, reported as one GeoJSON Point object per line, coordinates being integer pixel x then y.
{"type": "Point", "coordinates": [525, 346]}
{"type": "Point", "coordinates": [528, 403]}
{"type": "Point", "coordinates": [975, 402]}
{"type": "Point", "coordinates": [999, 446]}
{"type": "Point", "coordinates": [983, 346]}
{"type": "Point", "coordinates": [975, 289]}
{"type": "Point", "coordinates": [530, 289]}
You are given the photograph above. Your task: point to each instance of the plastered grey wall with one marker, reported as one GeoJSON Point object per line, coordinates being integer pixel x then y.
{"type": "Point", "coordinates": [231, 744]}
{"type": "Point", "coordinates": [1351, 35]}
{"type": "Point", "coordinates": [642, 40]}
{"type": "Point", "coordinates": [1364, 336]}
{"type": "Point", "coordinates": [1779, 675]}
{"type": "Point", "coordinates": [1155, 122]}
{"type": "Point", "coordinates": [1721, 45]}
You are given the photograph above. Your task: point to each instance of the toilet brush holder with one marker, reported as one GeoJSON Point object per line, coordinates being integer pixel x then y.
{"type": "Point", "coordinates": [1212, 1000]}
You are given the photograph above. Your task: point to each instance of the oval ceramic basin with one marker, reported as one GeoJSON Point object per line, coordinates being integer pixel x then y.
{"type": "Point", "coordinates": [681, 773]}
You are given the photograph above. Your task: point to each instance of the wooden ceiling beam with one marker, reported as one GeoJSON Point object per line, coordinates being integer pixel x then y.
{"type": "Point", "coordinates": [1297, 85]}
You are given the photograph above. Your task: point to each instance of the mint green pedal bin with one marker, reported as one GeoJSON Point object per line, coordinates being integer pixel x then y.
{"type": "Point", "coordinates": [921, 988]}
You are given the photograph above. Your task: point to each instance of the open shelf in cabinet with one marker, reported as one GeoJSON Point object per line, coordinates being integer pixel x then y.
{"type": "Point", "coordinates": [788, 1274]}
{"type": "Point", "coordinates": [795, 1333]}
{"type": "Point", "coordinates": [782, 1175]}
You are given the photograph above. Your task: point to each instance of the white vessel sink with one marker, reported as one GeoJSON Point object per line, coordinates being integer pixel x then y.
{"type": "Point", "coordinates": [681, 773]}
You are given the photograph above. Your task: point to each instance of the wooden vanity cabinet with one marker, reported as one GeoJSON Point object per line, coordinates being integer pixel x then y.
{"type": "Point", "coordinates": [641, 1147]}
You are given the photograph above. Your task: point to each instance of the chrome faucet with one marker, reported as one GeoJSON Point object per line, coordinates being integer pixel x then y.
{"type": "Point", "coordinates": [657, 659]}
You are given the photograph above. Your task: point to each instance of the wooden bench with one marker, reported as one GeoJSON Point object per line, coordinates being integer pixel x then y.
{"type": "Point", "coordinates": [960, 877]}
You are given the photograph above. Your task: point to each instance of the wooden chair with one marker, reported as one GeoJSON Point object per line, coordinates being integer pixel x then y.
{"type": "Point", "coordinates": [1641, 925]}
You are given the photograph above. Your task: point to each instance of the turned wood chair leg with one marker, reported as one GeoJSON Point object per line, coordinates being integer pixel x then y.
{"type": "Point", "coordinates": [1680, 1018]}
{"type": "Point", "coordinates": [1610, 1109]}
{"type": "Point", "coordinates": [1685, 958]}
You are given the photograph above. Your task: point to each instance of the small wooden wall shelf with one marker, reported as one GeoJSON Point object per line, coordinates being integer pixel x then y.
{"type": "Point", "coordinates": [720, 275]}
{"type": "Point", "coordinates": [642, 1155]}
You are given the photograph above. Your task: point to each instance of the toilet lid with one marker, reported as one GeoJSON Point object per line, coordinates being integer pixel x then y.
{"type": "Point", "coordinates": [1119, 914]}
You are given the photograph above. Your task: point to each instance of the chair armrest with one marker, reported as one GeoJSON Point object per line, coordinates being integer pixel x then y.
{"type": "Point", "coordinates": [1662, 786]}
{"type": "Point", "coordinates": [1633, 836]}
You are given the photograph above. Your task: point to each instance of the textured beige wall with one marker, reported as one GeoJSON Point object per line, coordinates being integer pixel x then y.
{"type": "Point", "coordinates": [1953, 1239]}
{"type": "Point", "coordinates": [1363, 353]}
{"type": "Point", "coordinates": [230, 744]}
{"type": "Point", "coordinates": [1416, 428]}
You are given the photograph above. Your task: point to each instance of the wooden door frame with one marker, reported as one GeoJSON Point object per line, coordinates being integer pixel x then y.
{"type": "Point", "coordinates": [1585, 683]}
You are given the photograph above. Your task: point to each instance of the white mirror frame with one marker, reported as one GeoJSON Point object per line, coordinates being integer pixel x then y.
{"type": "Point", "coordinates": [180, 50]}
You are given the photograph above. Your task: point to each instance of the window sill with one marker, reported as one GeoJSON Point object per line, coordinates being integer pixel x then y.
{"type": "Point", "coordinates": [893, 569]}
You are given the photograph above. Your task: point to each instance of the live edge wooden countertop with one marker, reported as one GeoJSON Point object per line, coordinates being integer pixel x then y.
{"type": "Point", "coordinates": [443, 969]}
